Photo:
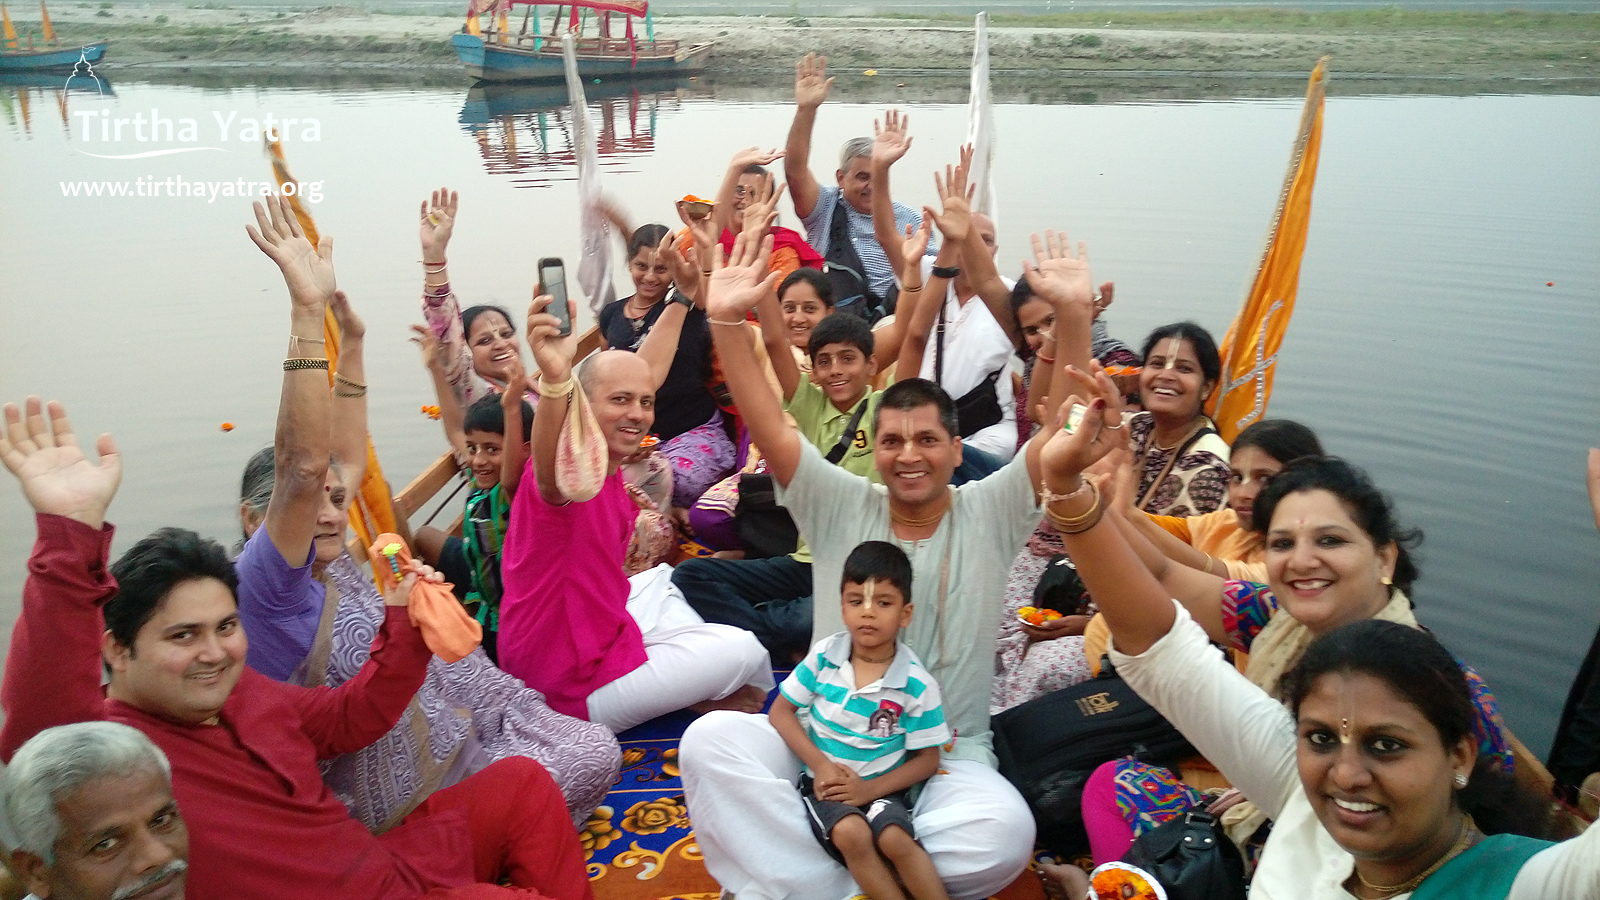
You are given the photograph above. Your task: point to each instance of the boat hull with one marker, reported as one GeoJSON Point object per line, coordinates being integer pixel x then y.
{"type": "Point", "coordinates": [493, 62]}
{"type": "Point", "coordinates": [58, 60]}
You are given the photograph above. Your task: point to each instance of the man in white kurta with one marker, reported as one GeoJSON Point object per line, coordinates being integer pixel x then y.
{"type": "Point", "coordinates": [739, 777]}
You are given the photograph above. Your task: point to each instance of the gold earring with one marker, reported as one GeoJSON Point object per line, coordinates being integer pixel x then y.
{"type": "Point", "coordinates": [1387, 581]}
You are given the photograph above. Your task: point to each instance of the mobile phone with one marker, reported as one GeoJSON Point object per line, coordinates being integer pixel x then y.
{"type": "Point", "coordinates": [1075, 417]}
{"type": "Point", "coordinates": [553, 276]}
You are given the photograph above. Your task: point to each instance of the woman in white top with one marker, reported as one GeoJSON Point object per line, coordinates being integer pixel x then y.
{"type": "Point", "coordinates": [1370, 773]}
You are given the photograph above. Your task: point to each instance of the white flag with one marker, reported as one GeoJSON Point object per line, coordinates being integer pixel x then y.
{"type": "Point", "coordinates": [980, 126]}
{"type": "Point", "coordinates": [594, 267]}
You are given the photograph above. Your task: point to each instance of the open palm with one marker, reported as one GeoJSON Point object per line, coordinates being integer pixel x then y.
{"type": "Point", "coordinates": [55, 476]}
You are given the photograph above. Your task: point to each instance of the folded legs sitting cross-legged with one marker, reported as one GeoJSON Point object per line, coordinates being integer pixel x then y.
{"type": "Point", "coordinates": [739, 776]}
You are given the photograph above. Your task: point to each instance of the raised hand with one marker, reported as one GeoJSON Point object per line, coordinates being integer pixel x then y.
{"type": "Point", "coordinates": [432, 349]}
{"type": "Point", "coordinates": [754, 156]}
{"type": "Point", "coordinates": [1059, 276]}
{"type": "Point", "coordinates": [1068, 453]}
{"type": "Point", "coordinates": [438, 221]}
{"type": "Point", "coordinates": [307, 270]}
{"type": "Point", "coordinates": [811, 81]}
{"type": "Point", "coordinates": [551, 351]}
{"type": "Point", "coordinates": [739, 283]}
{"type": "Point", "coordinates": [955, 220]}
{"type": "Point", "coordinates": [762, 209]}
{"type": "Point", "coordinates": [1103, 302]}
{"type": "Point", "coordinates": [915, 246]}
{"type": "Point", "coordinates": [685, 272]}
{"type": "Point", "coordinates": [350, 325]}
{"type": "Point", "coordinates": [891, 141]}
{"type": "Point", "coordinates": [55, 476]}
{"type": "Point", "coordinates": [703, 233]}
{"type": "Point", "coordinates": [516, 384]}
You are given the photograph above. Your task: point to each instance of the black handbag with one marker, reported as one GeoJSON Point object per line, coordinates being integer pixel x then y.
{"type": "Point", "coordinates": [1049, 746]}
{"type": "Point", "coordinates": [765, 528]}
{"type": "Point", "coordinates": [844, 270]}
{"type": "Point", "coordinates": [1061, 588]}
{"type": "Point", "coordinates": [1192, 857]}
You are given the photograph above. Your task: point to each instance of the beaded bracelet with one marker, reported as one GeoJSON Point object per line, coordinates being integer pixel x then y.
{"type": "Point", "coordinates": [351, 382]}
{"type": "Point", "coordinates": [302, 362]}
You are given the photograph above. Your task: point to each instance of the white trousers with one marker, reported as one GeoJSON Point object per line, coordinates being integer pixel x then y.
{"type": "Point", "coordinates": [689, 660]}
{"type": "Point", "coordinates": [741, 785]}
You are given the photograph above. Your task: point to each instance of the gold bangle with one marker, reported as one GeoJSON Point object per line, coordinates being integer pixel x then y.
{"type": "Point", "coordinates": [357, 385]}
{"type": "Point", "coordinates": [725, 324]}
{"type": "Point", "coordinates": [909, 290]}
{"type": "Point", "coordinates": [303, 362]}
{"type": "Point", "coordinates": [560, 389]}
{"type": "Point", "coordinates": [1078, 524]}
{"type": "Point", "coordinates": [435, 283]}
{"type": "Point", "coordinates": [338, 392]}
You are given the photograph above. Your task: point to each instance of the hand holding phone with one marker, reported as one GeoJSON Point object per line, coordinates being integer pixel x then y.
{"type": "Point", "coordinates": [553, 278]}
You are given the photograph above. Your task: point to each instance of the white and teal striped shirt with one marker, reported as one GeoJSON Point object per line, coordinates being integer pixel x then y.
{"type": "Point", "coordinates": [867, 729]}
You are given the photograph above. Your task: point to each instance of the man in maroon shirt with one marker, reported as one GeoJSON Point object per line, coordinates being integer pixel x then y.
{"type": "Point", "coordinates": [244, 748]}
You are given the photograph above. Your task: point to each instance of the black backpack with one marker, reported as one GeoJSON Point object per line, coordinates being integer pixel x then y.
{"type": "Point", "coordinates": [846, 277]}
{"type": "Point", "coordinates": [1049, 746]}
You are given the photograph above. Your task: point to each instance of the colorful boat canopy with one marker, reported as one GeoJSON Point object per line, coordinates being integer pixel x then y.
{"type": "Point", "coordinates": [627, 7]}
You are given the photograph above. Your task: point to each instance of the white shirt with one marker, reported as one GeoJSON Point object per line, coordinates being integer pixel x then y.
{"type": "Point", "coordinates": [988, 522]}
{"type": "Point", "coordinates": [1250, 738]}
{"type": "Point", "coordinates": [974, 347]}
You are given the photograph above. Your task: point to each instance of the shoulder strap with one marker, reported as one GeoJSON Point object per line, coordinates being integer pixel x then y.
{"type": "Point", "coordinates": [849, 433]}
{"type": "Point", "coordinates": [938, 348]}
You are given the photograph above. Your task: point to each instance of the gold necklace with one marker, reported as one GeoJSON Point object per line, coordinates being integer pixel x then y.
{"type": "Point", "coordinates": [867, 659]}
{"type": "Point", "coordinates": [1468, 829]}
{"type": "Point", "coordinates": [923, 522]}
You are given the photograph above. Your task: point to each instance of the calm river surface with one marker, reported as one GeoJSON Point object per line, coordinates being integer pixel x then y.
{"type": "Point", "coordinates": [1427, 345]}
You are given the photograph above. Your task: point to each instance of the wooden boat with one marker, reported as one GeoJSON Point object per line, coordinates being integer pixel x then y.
{"type": "Point", "coordinates": [496, 54]}
{"type": "Point", "coordinates": [52, 58]}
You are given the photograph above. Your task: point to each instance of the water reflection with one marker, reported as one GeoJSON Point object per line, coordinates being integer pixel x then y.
{"type": "Point", "coordinates": [22, 92]}
{"type": "Point", "coordinates": [521, 129]}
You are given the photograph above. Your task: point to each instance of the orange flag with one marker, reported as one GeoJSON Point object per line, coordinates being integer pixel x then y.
{"type": "Point", "coordinates": [1250, 349]}
{"type": "Point", "coordinates": [370, 512]}
{"type": "Point", "coordinates": [10, 30]}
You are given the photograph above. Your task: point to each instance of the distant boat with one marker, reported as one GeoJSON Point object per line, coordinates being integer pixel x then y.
{"type": "Point", "coordinates": [52, 58]}
{"type": "Point", "coordinates": [528, 55]}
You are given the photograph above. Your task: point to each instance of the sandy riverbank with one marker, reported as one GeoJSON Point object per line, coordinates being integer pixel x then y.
{"type": "Point", "coordinates": [1488, 51]}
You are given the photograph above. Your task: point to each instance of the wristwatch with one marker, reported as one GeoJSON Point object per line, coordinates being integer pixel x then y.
{"type": "Point", "coordinates": [946, 271]}
{"type": "Point", "coordinates": [678, 297]}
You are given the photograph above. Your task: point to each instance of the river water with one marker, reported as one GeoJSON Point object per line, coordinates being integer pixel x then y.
{"type": "Point", "coordinates": [1445, 338]}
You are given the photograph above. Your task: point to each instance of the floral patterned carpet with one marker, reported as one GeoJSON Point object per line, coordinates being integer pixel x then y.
{"type": "Point", "coordinates": [639, 845]}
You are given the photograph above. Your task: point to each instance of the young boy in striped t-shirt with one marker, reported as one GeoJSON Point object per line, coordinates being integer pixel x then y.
{"type": "Point", "coordinates": [875, 728]}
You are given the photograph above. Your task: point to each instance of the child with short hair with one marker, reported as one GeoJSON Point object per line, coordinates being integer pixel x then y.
{"type": "Point", "coordinates": [875, 728]}
{"type": "Point", "coordinates": [472, 561]}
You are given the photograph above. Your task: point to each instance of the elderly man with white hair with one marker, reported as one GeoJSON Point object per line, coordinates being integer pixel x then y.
{"type": "Point", "coordinates": [90, 815]}
{"type": "Point", "coordinates": [838, 218]}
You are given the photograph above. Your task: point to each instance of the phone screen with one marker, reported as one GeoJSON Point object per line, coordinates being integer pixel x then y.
{"type": "Point", "coordinates": [1074, 417]}
{"type": "Point", "coordinates": [553, 275]}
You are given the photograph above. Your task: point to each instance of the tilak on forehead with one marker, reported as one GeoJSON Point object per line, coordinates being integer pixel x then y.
{"type": "Point", "coordinates": [867, 587]}
{"type": "Point", "coordinates": [1172, 352]}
